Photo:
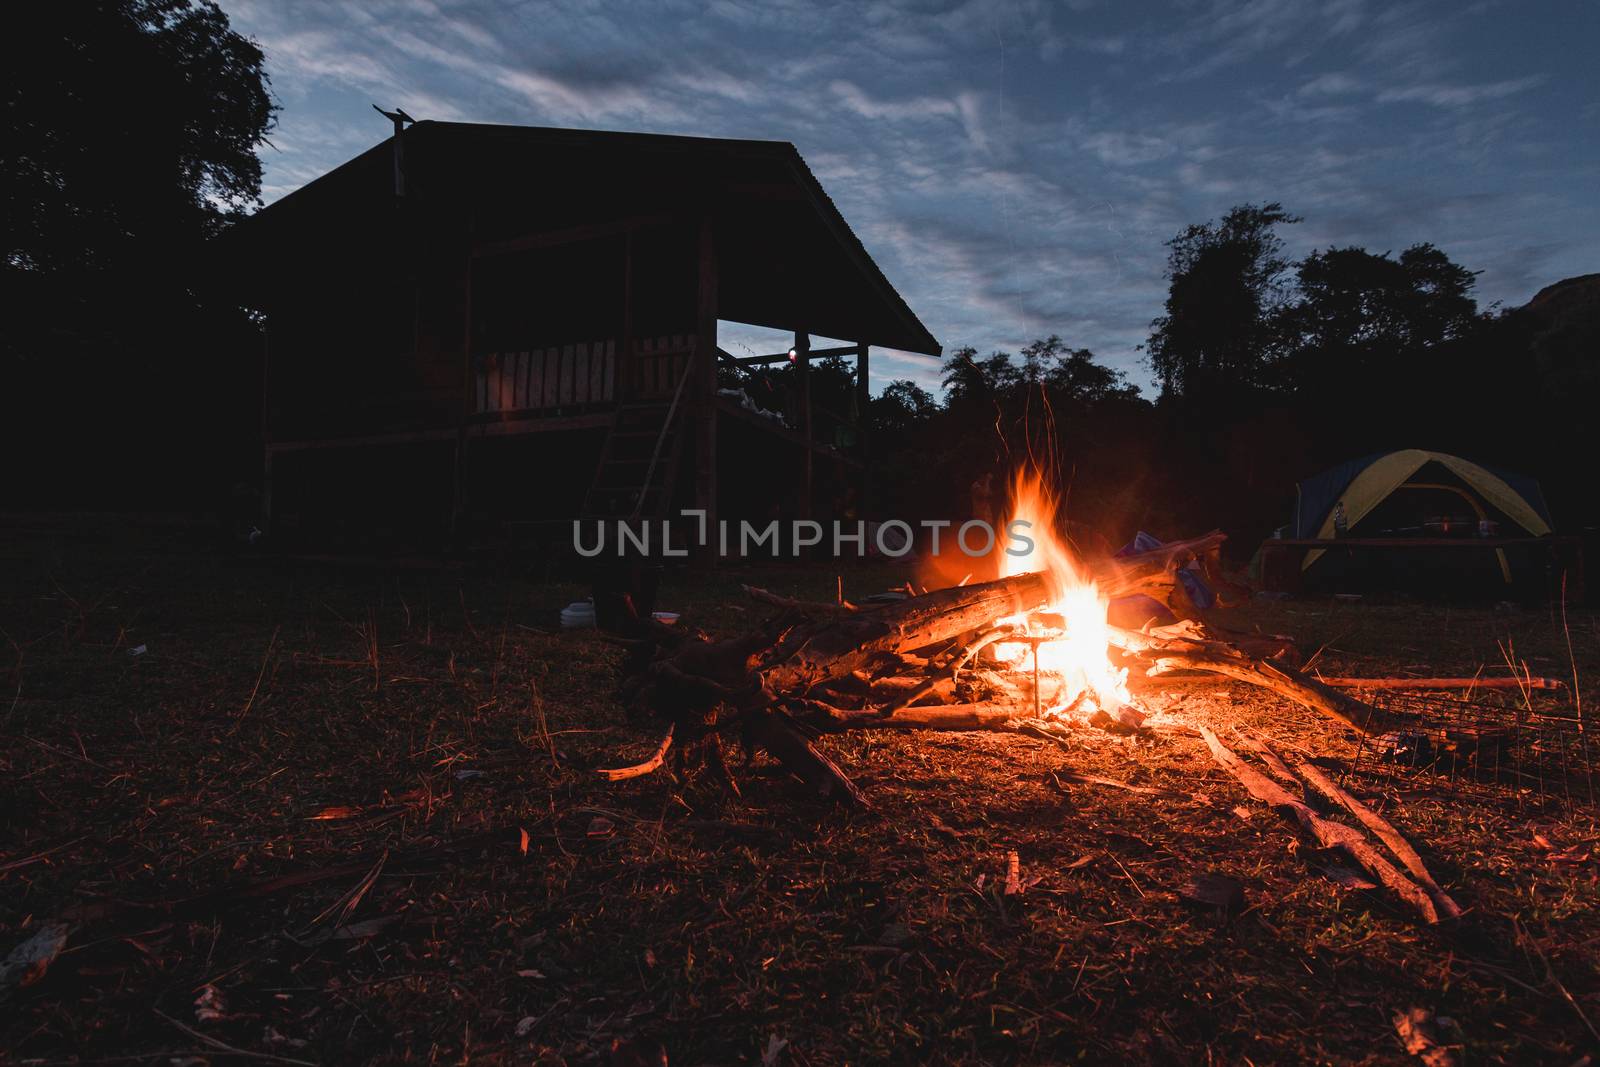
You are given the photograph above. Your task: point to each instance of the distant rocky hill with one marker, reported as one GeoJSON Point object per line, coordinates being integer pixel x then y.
{"type": "Point", "coordinates": [1563, 328]}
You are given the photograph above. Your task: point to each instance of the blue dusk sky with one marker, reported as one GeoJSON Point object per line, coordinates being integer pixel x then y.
{"type": "Point", "coordinates": [1015, 167]}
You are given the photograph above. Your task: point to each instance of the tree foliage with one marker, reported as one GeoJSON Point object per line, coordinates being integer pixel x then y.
{"type": "Point", "coordinates": [131, 125]}
{"type": "Point", "coordinates": [1359, 313]}
{"type": "Point", "coordinates": [1216, 340]}
{"type": "Point", "coordinates": [131, 135]}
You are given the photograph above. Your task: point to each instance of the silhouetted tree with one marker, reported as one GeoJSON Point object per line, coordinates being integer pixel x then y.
{"type": "Point", "coordinates": [1074, 374]}
{"type": "Point", "coordinates": [902, 407]}
{"type": "Point", "coordinates": [1360, 314]}
{"type": "Point", "coordinates": [971, 382]}
{"type": "Point", "coordinates": [131, 131]}
{"type": "Point", "coordinates": [1216, 340]}
{"type": "Point", "coordinates": [130, 125]}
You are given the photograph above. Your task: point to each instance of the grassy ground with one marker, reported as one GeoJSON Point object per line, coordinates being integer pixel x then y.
{"type": "Point", "coordinates": [392, 738]}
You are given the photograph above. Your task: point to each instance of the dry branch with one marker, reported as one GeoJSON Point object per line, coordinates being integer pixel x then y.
{"type": "Point", "coordinates": [1290, 683]}
{"type": "Point", "coordinates": [1385, 831]}
{"type": "Point", "coordinates": [931, 717]}
{"type": "Point", "coordinates": [775, 733]}
{"type": "Point", "coordinates": [639, 770]}
{"type": "Point", "coordinates": [1444, 683]}
{"type": "Point", "coordinates": [1328, 834]}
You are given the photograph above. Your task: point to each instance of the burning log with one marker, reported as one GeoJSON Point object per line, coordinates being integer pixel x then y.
{"type": "Point", "coordinates": [829, 650]}
{"type": "Point", "coordinates": [704, 686]}
{"type": "Point", "coordinates": [1188, 647]}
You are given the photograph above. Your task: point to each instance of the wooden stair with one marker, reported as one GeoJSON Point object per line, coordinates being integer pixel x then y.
{"type": "Point", "coordinates": [639, 461]}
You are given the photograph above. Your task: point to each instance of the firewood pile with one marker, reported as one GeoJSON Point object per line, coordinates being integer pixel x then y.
{"type": "Point", "coordinates": [922, 662]}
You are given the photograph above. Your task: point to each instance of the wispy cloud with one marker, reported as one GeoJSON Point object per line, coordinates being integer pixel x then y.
{"type": "Point", "coordinates": [1459, 95]}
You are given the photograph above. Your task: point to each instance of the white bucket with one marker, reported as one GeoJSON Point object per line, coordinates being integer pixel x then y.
{"type": "Point", "coordinates": [579, 615]}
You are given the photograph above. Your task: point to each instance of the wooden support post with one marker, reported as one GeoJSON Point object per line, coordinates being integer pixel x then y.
{"type": "Point", "coordinates": [802, 363]}
{"type": "Point", "coordinates": [266, 429]}
{"type": "Point", "coordinates": [458, 501]}
{"type": "Point", "coordinates": [623, 369]}
{"type": "Point", "coordinates": [703, 410]}
{"type": "Point", "coordinates": [864, 432]}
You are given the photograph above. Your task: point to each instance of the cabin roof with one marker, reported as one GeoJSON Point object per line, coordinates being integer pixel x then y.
{"type": "Point", "coordinates": [786, 256]}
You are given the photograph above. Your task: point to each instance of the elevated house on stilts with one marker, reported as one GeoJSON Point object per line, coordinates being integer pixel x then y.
{"type": "Point", "coordinates": [475, 328]}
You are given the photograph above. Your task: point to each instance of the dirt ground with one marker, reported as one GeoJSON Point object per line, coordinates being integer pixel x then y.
{"type": "Point", "coordinates": [290, 813]}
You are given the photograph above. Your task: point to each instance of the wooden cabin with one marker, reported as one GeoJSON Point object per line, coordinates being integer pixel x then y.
{"type": "Point", "coordinates": [475, 326]}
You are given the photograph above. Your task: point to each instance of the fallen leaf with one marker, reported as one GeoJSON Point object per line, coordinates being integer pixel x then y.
{"type": "Point", "coordinates": [208, 1006]}
{"type": "Point", "coordinates": [1348, 878]}
{"type": "Point", "coordinates": [600, 826]}
{"type": "Point", "coordinates": [523, 845]}
{"type": "Point", "coordinates": [361, 930]}
{"type": "Point", "coordinates": [526, 1024]}
{"type": "Point", "coordinates": [638, 1052]}
{"type": "Point", "coordinates": [338, 811]}
{"type": "Point", "coordinates": [272, 1037]}
{"type": "Point", "coordinates": [1214, 889]}
{"type": "Point", "coordinates": [29, 960]}
{"type": "Point", "coordinates": [774, 1049]}
{"type": "Point", "coordinates": [895, 934]}
{"type": "Point", "coordinates": [1420, 1036]}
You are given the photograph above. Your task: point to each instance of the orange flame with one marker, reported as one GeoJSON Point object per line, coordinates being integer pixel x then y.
{"type": "Point", "coordinates": [1078, 654]}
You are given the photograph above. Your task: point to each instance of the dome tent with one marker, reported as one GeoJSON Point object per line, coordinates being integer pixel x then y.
{"type": "Point", "coordinates": [1415, 492]}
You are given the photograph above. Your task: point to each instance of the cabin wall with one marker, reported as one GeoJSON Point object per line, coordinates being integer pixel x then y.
{"type": "Point", "coordinates": [367, 342]}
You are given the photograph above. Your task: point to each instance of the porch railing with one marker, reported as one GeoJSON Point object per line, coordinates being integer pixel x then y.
{"type": "Point", "coordinates": [581, 375]}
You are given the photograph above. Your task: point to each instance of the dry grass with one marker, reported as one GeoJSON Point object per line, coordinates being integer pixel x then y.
{"type": "Point", "coordinates": [431, 720]}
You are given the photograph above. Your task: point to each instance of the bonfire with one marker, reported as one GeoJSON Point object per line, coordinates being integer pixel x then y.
{"type": "Point", "coordinates": [1029, 651]}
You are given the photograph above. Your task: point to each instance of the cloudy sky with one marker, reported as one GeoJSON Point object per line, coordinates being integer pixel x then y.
{"type": "Point", "coordinates": [1015, 167]}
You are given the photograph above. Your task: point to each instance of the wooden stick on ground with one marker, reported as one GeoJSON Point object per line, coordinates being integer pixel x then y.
{"type": "Point", "coordinates": [932, 717]}
{"type": "Point", "coordinates": [1328, 834]}
{"type": "Point", "coordinates": [1444, 683]}
{"type": "Point", "coordinates": [1168, 681]}
{"type": "Point", "coordinates": [1385, 831]}
{"type": "Point", "coordinates": [639, 770]}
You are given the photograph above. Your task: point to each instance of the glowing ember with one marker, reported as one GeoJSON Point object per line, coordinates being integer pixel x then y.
{"type": "Point", "coordinates": [1075, 620]}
